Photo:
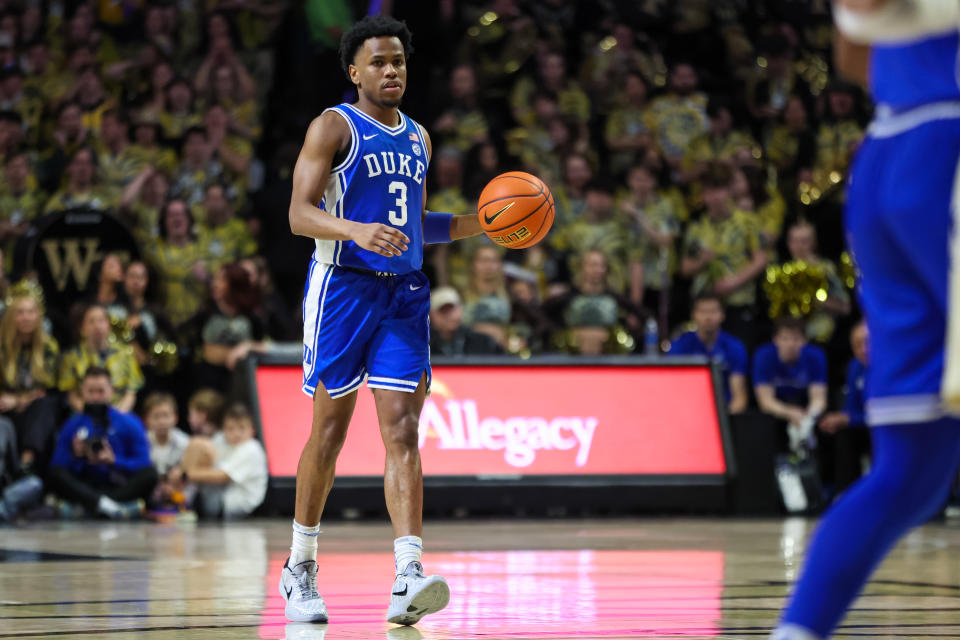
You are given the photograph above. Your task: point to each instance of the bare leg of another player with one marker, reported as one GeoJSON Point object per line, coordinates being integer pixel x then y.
{"type": "Point", "coordinates": [414, 595]}
{"type": "Point", "coordinates": [315, 473]}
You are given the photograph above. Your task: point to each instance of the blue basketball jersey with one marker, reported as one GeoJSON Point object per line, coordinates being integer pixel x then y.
{"type": "Point", "coordinates": [381, 179]}
{"type": "Point", "coordinates": [915, 72]}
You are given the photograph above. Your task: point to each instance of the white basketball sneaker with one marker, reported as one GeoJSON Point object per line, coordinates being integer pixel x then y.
{"type": "Point", "coordinates": [416, 595]}
{"type": "Point", "coordinates": [298, 586]}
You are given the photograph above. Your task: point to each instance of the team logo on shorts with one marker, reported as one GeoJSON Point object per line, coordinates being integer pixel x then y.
{"type": "Point", "coordinates": [416, 149]}
{"type": "Point", "coordinates": [307, 355]}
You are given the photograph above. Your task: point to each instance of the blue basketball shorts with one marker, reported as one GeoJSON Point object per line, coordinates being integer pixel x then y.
{"type": "Point", "coordinates": [898, 223]}
{"type": "Point", "coordinates": [361, 327]}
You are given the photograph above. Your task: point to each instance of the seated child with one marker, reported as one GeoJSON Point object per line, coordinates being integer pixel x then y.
{"type": "Point", "coordinates": [229, 470]}
{"type": "Point", "coordinates": [205, 412]}
{"type": "Point", "coordinates": [167, 446]}
{"type": "Point", "coordinates": [167, 442]}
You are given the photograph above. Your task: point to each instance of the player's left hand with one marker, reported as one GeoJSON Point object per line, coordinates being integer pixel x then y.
{"type": "Point", "coordinates": [380, 238]}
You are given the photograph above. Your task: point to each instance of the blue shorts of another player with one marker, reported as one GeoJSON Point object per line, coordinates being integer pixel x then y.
{"type": "Point", "coordinates": [899, 222]}
{"type": "Point", "coordinates": [363, 326]}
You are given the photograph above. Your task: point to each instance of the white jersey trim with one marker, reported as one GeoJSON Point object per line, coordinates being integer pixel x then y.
{"type": "Point", "coordinates": [313, 302]}
{"type": "Point", "coordinates": [391, 130]}
{"type": "Point", "coordinates": [328, 251]}
{"type": "Point", "coordinates": [905, 409]}
{"type": "Point", "coordinates": [338, 248]}
{"type": "Point", "coordinates": [354, 149]}
{"type": "Point", "coordinates": [950, 382]}
{"type": "Point", "coordinates": [342, 391]}
{"type": "Point", "coordinates": [394, 381]}
{"type": "Point", "coordinates": [391, 387]}
{"type": "Point", "coordinates": [887, 124]}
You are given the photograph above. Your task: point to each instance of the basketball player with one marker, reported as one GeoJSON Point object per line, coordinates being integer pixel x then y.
{"type": "Point", "coordinates": [366, 307]}
{"type": "Point", "coordinates": [900, 205]}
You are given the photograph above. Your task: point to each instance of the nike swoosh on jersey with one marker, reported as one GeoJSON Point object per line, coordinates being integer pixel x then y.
{"type": "Point", "coordinates": [413, 288]}
{"type": "Point", "coordinates": [490, 219]}
{"type": "Point", "coordinates": [372, 135]}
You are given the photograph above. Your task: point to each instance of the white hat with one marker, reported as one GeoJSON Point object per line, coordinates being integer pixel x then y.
{"type": "Point", "coordinates": [443, 296]}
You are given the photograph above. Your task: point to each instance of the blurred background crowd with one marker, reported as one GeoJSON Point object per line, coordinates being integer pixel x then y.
{"type": "Point", "coordinates": [697, 150]}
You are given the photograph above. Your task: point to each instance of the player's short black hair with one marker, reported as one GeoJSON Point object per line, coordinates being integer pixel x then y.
{"type": "Point", "coordinates": [375, 26]}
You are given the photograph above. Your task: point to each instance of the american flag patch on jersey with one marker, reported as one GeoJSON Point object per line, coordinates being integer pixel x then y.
{"type": "Point", "coordinates": [413, 136]}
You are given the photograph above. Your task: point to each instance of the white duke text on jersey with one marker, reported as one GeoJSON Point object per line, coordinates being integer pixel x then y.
{"type": "Point", "coordinates": [380, 180]}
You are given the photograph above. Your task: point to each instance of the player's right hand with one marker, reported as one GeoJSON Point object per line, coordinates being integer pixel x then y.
{"type": "Point", "coordinates": [380, 238]}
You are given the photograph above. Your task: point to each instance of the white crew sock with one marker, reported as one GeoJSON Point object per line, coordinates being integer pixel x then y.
{"type": "Point", "coordinates": [793, 632]}
{"type": "Point", "coordinates": [304, 543]}
{"type": "Point", "coordinates": [406, 550]}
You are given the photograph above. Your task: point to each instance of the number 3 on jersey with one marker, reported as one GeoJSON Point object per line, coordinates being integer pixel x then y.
{"type": "Point", "coordinates": [398, 219]}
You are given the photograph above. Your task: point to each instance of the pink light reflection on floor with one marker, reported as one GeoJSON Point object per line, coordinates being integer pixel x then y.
{"type": "Point", "coordinates": [520, 594]}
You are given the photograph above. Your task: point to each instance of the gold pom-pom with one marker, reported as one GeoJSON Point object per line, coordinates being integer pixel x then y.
{"type": "Point", "coordinates": [795, 288]}
{"type": "Point", "coordinates": [120, 331]}
{"type": "Point", "coordinates": [164, 356]}
{"type": "Point", "coordinates": [848, 270]}
{"type": "Point", "coordinates": [26, 288]}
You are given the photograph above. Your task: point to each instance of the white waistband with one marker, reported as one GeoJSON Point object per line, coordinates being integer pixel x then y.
{"type": "Point", "coordinates": [923, 407]}
{"type": "Point", "coordinates": [887, 124]}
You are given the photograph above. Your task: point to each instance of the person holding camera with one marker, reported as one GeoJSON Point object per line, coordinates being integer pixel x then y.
{"type": "Point", "coordinates": [102, 458]}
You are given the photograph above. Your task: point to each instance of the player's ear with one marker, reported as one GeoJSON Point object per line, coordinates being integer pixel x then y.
{"type": "Point", "coordinates": [354, 75]}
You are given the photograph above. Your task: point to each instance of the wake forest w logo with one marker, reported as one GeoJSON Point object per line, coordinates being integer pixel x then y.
{"type": "Point", "coordinates": [74, 257]}
{"type": "Point", "coordinates": [390, 165]}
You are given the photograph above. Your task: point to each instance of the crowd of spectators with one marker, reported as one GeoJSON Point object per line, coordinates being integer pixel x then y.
{"type": "Point", "coordinates": [690, 147]}
{"type": "Point", "coordinates": [697, 152]}
{"type": "Point", "coordinates": [150, 113]}
{"type": "Point", "coordinates": [677, 171]}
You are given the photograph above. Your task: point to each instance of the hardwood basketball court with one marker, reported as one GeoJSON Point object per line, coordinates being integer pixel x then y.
{"type": "Point", "coordinates": [682, 578]}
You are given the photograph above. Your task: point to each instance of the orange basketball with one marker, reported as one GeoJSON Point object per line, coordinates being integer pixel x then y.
{"type": "Point", "coordinates": [516, 209]}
